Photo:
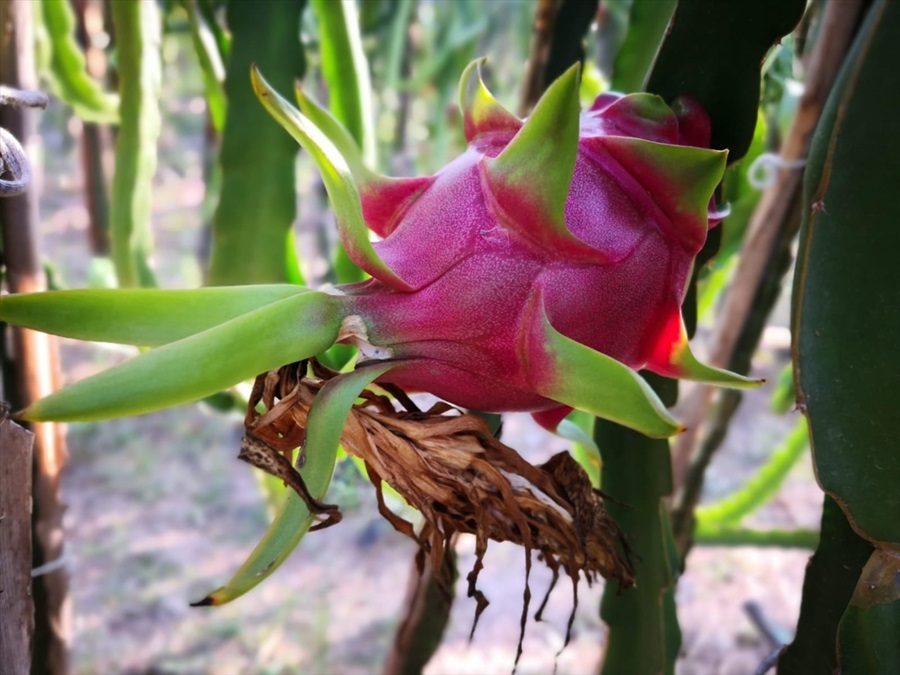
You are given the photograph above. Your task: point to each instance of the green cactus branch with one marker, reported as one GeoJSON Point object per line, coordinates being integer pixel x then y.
{"type": "Point", "coordinates": [211, 63]}
{"type": "Point", "coordinates": [714, 534]}
{"type": "Point", "coordinates": [828, 585]}
{"type": "Point", "coordinates": [644, 636]}
{"type": "Point", "coordinates": [708, 38]}
{"type": "Point", "coordinates": [252, 225]}
{"type": "Point", "coordinates": [64, 64]}
{"type": "Point", "coordinates": [760, 488]}
{"type": "Point", "coordinates": [867, 633]}
{"type": "Point", "coordinates": [647, 24]}
{"type": "Point", "coordinates": [765, 258]}
{"type": "Point", "coordinates": [138, 31]}
{"type": "Point", "coordinates": [838, 338]}
{"type": "Point", "coordinates": [845, 355]}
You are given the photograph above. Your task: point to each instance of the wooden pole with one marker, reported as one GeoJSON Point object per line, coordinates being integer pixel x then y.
{"type": "Point", "coordinates": [16, 603]}
{"type": "Point", "coordinates": [35, 357]}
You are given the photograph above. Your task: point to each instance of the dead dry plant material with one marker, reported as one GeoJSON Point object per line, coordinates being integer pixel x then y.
{"type": "Point", "coordinates": [449, 467]}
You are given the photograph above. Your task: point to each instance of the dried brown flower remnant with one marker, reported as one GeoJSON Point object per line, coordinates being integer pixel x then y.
{"type": "Point", "coordinates": [271, 437]}
{"type": "Point", "coordinates": [450, 468]}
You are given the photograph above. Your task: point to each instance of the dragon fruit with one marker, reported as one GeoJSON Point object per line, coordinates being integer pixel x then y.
{"type": "Point", "coordinates": [586, 225]}
{"type": "Point", "coordinates": [536, 272]}
{"type": "Point", "coordinates": [563, 227]}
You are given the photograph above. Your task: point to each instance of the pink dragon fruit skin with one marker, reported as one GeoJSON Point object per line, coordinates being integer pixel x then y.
{"type": "Point", "coordinates": [477, 268]}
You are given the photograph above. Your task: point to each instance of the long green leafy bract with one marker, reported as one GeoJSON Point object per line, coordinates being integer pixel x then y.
{"type": "Point", "coordinates": [140, 317]}
{"type": "Point", "coordinates": [187, 370]}
{"type": "Point", "coordinates": [578, 376]}
{"type": "Point", "coordinates": [336, 175]}
{"type": "Point", "coordinates": [293, 520]}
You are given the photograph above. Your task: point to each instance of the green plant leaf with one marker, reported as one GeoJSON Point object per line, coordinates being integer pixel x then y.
{"type": "Point", "coordinates": [337, 177]}
{"type": "Point", "coordinates": [67, 68]}
{"type": "Point", "coordinates": [140, 317]}
{"type": "Point", "coordinates": [846, 318]}
{"type": "Point", "coordinates": [282, 332]}
{"type": "Point", "coordinates": [252, 240]}
{"type": "Point", "coordinates": [712, 52]}
{"type": "Point", "coordinates": [293, 520]}
{"type": "Point", "coordinates": [138, 39]}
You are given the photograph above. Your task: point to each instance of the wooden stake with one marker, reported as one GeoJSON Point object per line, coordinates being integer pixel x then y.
{"type": "Point", "coordinates": [16, 603]}
{"type": "Point", "coordinates": [35, 358]}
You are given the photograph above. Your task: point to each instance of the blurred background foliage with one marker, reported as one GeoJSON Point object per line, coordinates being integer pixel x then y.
{"type": "Point", "coordinates": [186, 181]}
